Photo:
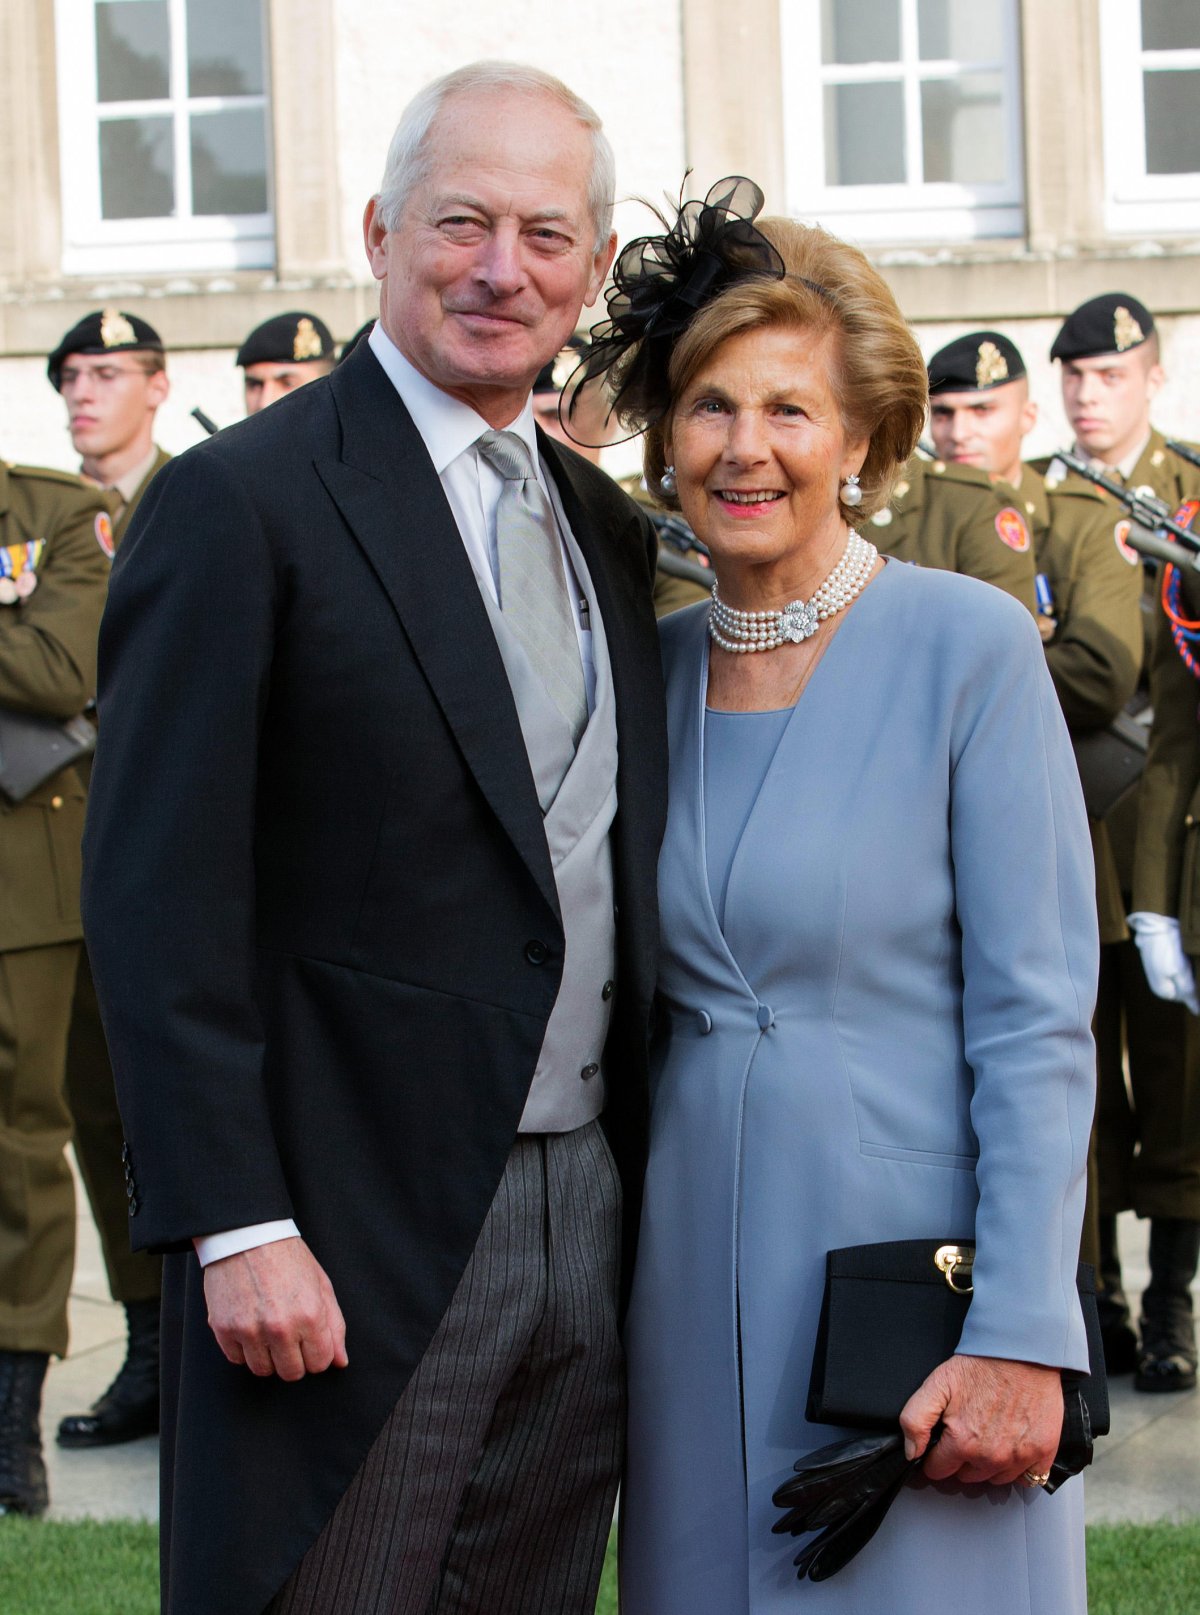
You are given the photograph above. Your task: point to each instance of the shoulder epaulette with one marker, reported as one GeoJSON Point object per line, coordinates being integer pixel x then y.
{"type": "Point", "coordinates": [47, 473]}
{"type": "Point", "coordinates": [949, 471]}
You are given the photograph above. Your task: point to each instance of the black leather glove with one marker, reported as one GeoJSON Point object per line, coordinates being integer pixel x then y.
{"type": "Point", "coordinates": [843, 1491]}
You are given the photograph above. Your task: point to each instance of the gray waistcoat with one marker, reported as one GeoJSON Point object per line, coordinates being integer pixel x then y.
{"type": "Point", "coordinates": [578, 795]}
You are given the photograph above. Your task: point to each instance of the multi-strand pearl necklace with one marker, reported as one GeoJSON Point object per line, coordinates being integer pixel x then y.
{"type": "Point", "coordinates": [799, 619]}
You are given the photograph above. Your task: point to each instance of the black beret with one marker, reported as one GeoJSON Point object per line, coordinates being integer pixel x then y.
{"type": "Point", "coordinates": [360, 335]}
{"type": "Point", "coordinates": [975, 363]}
{"type": "Point", "coordinates": [295, 338]}
{"type": "Point", "coordinates": [1113, 323]}
{"type": "Point", "coordinates": [108, 330]}
{"type": "Point", "coordinates": [554, 375]}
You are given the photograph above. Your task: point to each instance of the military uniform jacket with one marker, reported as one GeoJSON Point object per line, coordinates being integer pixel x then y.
{"type": "Point", "coordinates": [122, 521]}
{"type": "Point", "coordinates": [48, 667]}
{"type": "Point", "coordinates": [1095, 653]}
{"type": "Point", "coordinates": [1166, 875]}
{"type": "Point", "coordinates": [950, 517]}
{"type": "Point", "coordinates": [1170, 478]}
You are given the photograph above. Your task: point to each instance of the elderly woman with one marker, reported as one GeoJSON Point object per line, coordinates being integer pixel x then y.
{"type": "Point", "coordinates": [879, 956]}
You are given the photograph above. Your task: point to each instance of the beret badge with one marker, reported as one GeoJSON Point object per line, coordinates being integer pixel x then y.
{"type": "Point", "coordinates": [115, 329]}
{"type": "Point", "coordinates": [1127, 333]}
{"type": "Point", "coordinates": [306, 344]}
{"type": "Point", "coordinates": [991, 366]}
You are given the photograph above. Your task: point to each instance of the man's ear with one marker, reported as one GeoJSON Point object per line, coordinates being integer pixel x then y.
{"type": "Point", "coordinates": [374, 237]}
{"type": "Point", "coordinates": [601, 264]}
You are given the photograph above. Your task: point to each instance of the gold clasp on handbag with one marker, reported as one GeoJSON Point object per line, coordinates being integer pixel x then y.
{"type": "Point", "coordinates": [954, 1259]}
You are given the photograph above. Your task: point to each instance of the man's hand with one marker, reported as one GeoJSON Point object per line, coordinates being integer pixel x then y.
{"type": "Point", "coordinates": [1001, 1418]}
{"type": "Point", "coordinates": [1168, 969]}
{"type": "Point", "coordinates": [273, 1309]}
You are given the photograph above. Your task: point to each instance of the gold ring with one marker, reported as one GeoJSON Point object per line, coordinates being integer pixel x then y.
{"type": "Point", "coordinates": [1034, 1479]}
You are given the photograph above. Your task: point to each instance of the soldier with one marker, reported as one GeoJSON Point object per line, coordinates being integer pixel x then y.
{"type": "Point", "coordinates": [110, 370]}
{"type": "Point", "coordinates": [281, 354]}
{"type": "Point", "coordinates": [112, 373]}
{"type": "Point", "coordinates": [949, 517]}
{"type": "Point", "coordinates": [1111, 372]}
{"type": "Point", "coordinates": [53, 576]}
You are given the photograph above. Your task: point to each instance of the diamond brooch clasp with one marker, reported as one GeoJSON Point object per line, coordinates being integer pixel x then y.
{"type": "Point", "coordinates": [798, 621]}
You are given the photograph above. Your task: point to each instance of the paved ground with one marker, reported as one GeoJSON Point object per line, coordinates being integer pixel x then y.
{"type": "Point", "coordinates": [1147, 1469]}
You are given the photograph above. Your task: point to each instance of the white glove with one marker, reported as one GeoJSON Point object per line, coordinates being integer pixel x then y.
{"type": "Point", "coordinates": [1167, 967]}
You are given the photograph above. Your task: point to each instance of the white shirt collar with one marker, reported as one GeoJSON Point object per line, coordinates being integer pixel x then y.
{"type": "Point", "coordinates": [1125, 466]}
{"type": "Point", "coordinates": [448, 427]}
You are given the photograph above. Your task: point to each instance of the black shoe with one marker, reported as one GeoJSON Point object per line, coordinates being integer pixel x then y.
{"type": "Point", "coordinates": [1120, 1347]}
{"type": "Point", "coordinates": [129, 1407]}
{"type": "Point", "coordinates": [1167, 1358]}
{"type": "Point", "coordinates": [22, 1469]}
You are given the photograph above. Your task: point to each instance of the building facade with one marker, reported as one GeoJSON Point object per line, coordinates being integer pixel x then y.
{"type": "Point", "coordinates": [206, 162]}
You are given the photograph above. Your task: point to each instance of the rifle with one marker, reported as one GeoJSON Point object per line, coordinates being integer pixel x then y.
{"type": "Point", "coordinates": [209, 425]}
{"type": "Point", "coordinates": [1150, 518]}
{"type": "Point", "coordinates": [1184, 453]}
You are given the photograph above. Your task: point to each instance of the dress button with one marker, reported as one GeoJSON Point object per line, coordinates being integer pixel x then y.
{"type": "Point", "coordinates": [766, 1017]}
{"type": "Point", "coordinates": [704, 1022]}
{"type": "Point", "coordinates": [606, 991]}
{"type": "Point", "coordinates": [589, 1071]}
{"type": "Point", "coordinates": [536, 952]}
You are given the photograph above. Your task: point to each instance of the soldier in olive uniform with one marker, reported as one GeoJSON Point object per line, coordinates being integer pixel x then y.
{"type": "Point", "coordinates": [1111, 371]}
{"type": "Point", "coordinates": [1089, 583]}
{"type": "Point", "coordinates": [53, 577]}
{"type": "Point", "coordinates": [283, 353]}
{"type": "Point", "coordinates": [950, 517]}
{"type": "Point", "coordinates": [110, 370]}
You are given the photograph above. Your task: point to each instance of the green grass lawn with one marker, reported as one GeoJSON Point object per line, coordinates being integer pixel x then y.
{"type": "Point", "coordinates": [91, 1568]}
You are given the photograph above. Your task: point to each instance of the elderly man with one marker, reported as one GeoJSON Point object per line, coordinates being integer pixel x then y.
{"type": "Point", "coordinates": [371, 895]}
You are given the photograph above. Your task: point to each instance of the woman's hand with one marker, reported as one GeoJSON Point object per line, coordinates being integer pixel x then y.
{"type": "Point", "coordinates": [1001, 1418]}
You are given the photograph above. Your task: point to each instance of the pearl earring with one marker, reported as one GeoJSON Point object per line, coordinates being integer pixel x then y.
{"type": "Point", "coordinates": [667, 481]}
{"type": "Point", "coordinates": [851, 492]}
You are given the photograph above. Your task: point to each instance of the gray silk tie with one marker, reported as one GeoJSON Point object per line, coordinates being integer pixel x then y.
{"type": "Point", "coordinates": [533, 590]}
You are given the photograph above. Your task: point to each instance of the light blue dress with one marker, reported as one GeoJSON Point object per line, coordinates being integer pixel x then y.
{"type": "Point", "coordinates": [887, 1038]}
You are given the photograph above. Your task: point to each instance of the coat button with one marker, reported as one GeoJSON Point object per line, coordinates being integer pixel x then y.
{"type": "Point", "coordinates": [536, 952]}
{"type": "Point", "coordinates": [135, 1205]}
{"type": "Point", "coordinates": [766, 1017]}
{"type": "Point", "coordinates": [606, 991]}
{"type": "Point", "coordinates": [589, 1071]}
{"type": "Point", "coordinates": [704, 1022]}
{"type": "Point", "coordinates": [56, 802]}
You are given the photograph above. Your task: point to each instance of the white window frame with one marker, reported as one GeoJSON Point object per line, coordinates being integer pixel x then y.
{"type": "Point", "coordinates": [911, 211]}
{"type": "Point", "coordinates": [1135, 202]}
{"type": "Point", "coordinates": [93, 244]}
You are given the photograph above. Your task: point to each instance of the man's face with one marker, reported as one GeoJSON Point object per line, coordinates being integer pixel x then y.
{"type": "Point", "coordinates": [266, 381]}
{"type": "Point", "coordinates": [110, 400]}
{"type": "Point", "coordinates": [1107, 400]}
{"type": "Point", "coordinates": [984, 429]}
{"type": "Point", "coordinates": [483, 279]}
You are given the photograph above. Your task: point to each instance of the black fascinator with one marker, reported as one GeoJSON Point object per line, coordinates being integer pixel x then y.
{"type": "Point", "coordinates": [658, 285]}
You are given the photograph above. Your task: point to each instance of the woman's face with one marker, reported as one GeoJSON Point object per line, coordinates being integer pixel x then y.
{"type": "Point", "coordinates": [759, 448]}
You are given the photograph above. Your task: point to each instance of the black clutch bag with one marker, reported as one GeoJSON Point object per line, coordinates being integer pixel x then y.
{"type": "Point", "coordinates": [33, 750]}
{"type": "Point", "coordinates": [892, 1312]}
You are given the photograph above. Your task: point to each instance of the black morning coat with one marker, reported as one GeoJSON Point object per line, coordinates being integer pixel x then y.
{"type": "Point", "coordinates": [323, 921]}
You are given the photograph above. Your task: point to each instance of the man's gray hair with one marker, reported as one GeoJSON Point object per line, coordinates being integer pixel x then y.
{"type": "Point", "coordinates": [409, 158]}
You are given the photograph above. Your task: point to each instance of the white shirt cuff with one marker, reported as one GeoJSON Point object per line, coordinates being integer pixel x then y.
{"type": "Point", "coordinates": [212, 1247]}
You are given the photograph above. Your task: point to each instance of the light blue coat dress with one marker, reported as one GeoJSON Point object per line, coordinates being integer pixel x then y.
{"type": "Point", "coordinates": [888, 1039]}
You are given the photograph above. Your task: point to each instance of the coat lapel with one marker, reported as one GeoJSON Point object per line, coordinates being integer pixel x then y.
{"type": "Point", "coordinates": [390, 497]}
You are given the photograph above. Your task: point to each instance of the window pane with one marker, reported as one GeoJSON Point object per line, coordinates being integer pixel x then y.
{"type": "Point", "coordinates": [133, 50]}
{"type": "Point", "coordinates": [864, 134]}
{"type": "Point", "coordinates": [1170, 25]}
{"type": "Point", "coordinates": [860, 30]}
{"type": "Point", "coordinates": [229, 162]}
{"type": "Point", "coordinates": [137, 168]}
{"type": "Point", "coordinates": [1172, 127]}
{"type": "Point", "coordinates": [224, 45]}
{"type": "Point", "coordinates": [961, 30]}
{"type": "Point", "coordinates": [962, 127]}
